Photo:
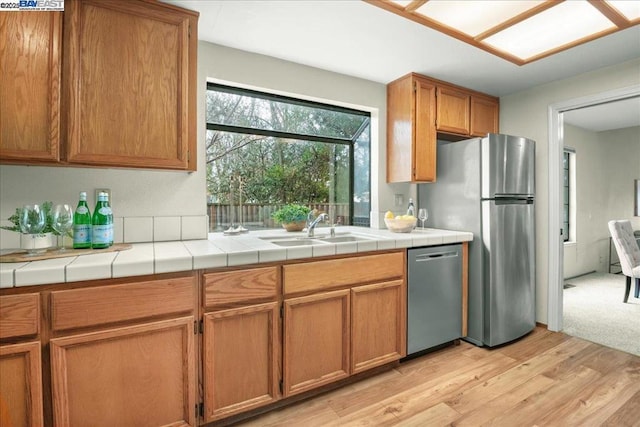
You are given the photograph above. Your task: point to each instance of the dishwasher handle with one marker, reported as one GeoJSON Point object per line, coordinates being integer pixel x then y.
{"type": "Point", "coordinates": [436, 256]}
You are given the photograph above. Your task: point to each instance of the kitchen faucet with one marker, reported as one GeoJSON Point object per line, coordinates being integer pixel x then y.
{"type": "Point", "coordinates": [311, 222]}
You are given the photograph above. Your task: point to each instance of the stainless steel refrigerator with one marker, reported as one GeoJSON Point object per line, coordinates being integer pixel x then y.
{"type": "Point", "coordinates": [487, 186]}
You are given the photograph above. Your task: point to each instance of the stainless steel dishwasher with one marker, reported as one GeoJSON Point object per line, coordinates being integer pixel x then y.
{"type": "Point", "coordinates": [434, 297]}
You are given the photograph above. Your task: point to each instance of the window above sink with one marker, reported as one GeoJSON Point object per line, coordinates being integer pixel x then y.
{"type": "Point", "coordinates": [265, 150]}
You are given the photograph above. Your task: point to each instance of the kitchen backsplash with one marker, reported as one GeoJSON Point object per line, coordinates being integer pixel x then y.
{"type": "Point", "coordinates": [140, 229]}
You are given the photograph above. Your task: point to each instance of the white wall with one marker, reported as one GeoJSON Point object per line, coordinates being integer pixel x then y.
{"type": "Point", "coordinates": [621, 160]}
{"type": "Point", "coordinates": [134, 192]}
{"type": "Point", "coordinates": [526, 114]}
{"type": "Point", "coordinates": [606, 165]}
{"type": "Point", "coordinates": [159, 193]}
{"type": "Point", "coordinates": [581, 255]}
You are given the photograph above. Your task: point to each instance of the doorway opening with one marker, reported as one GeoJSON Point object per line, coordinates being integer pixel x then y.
{"type": "Point", "coordinates": [556, 170]}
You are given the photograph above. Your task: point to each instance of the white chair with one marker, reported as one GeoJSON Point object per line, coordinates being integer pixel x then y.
{"type": "Point", "coordinates": [628, 252]}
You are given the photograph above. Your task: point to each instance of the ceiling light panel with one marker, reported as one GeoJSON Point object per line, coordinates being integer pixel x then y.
{"type": "Point", "coordinates": [551, 29]}
{"type": "Point", "coordinates": [630, 9]}
{"type": "Point", "coordinates": [402, 3]}
{"type": "Point", "coordinates": [474, 17]}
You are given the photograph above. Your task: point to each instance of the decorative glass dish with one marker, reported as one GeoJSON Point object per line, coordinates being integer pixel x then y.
{"type": "Point", "coordinates": [401, 225]}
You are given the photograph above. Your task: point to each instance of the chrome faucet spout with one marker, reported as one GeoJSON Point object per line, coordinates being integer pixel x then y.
{"type": "Point", "coordinates": [311, 222]}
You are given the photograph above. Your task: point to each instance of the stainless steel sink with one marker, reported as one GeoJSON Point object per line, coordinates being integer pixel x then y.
{"type": "Point", "coordinates": [288, 241]}
{"type": "Point", "coordinates": [297, 242]}
{"type": "Point", "coordinates": [346, 238]}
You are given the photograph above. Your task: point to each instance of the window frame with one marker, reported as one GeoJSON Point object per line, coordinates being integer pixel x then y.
{"type": "Point", "coordinates": [569, 205]}
{"type": "Point", "coordinates": [350, 142]}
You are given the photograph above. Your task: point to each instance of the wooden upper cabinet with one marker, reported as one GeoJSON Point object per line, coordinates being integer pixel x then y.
{"type": "Point", "coordinates": [485, 114]}
{"type": "Point", "coordinates": [30, 48]}
{"type": "Point", "coordinates": [130, 82]}
{"type": "Point", "coordinates": [419, 111]}
{"type": "Point", "coordinates": [411, 134]}
{"type": "Point", "coordinates": [452, 110]}
{"type": "Point", "coordinates": [425, 143]}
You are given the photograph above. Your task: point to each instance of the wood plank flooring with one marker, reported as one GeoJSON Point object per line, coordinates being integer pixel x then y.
{"type": "Point", "coordinates": [544, 379]}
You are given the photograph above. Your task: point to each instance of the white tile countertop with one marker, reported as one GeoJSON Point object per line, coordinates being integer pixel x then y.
{"type": "Point", "coordinates": [215, 252]}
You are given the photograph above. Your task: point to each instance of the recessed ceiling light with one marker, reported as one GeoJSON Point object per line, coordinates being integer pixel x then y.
{"type": "Point", "coordinates": [520, 31]}
{"type": "Point", "coordinates": [550, 30]}
{"type": "Point", "coordinates": [474, 17]}
{"type": "Point", "coordinates": [630, 9]}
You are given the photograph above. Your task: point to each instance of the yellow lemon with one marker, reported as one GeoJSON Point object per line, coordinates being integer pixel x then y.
{"type": "Point", "coordinates": [389, 215]}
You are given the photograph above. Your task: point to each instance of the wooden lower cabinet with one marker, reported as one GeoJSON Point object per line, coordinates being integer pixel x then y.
{"type": "Point", "coordinates": [21, 385]}
{"type": "Point", "coordinates": [378, 324]}
{"type": "Point", "coordinates": [316, 340]}
{"type": "Point", "coordinates": [142, 375]}
{"type": "Point", "coordinates": [240, 359]}
{"type": "Point", "coordinates": [126, 352]}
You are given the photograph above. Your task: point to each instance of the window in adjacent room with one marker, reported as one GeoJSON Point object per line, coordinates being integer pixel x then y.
{"type": "Point", "coordinates": [265, 150]}
{"type": "Point", "coordinates": [569, 198]}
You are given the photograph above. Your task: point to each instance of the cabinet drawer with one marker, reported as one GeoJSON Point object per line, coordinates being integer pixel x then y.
{"type": "Point", "coordinates": [19, 315]}
{"type": "Point", "coordinates": [78, 308]}
{"type": "Point", "coordinates": [319, 275]}
{"type": "Point", "coordinates": [240, 286]}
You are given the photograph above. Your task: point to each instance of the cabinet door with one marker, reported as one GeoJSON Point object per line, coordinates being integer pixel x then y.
{"type": "Point", "coordinates": [30, 86]}
{"type": "Point", "coordinates": [400, 129]}
{"type": "Point", "coordinates": [140, 375]}
{"type": "Point", "coordinates": [21, 385]}
{"type": "Point", "coordinates": [453, 111]}
{"type": "Point", "coordinates": [484, 116]}
{"type": "Point", "coordinates": [129, 67]}
{"type": "Point", "coordinates": [378, 318]}
{"type": "Point", "coordinates": [316, 340]}
{"type": "Point", "coordinates": [240, 359]}
{"type": "Point", "coordinates": [425, 138]}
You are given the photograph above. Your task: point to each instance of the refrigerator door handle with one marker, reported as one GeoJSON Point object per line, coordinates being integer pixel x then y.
{"type": "Point", "coordinates": [512, 196]}
{"type": "Point", "coordinates": [511, 201]}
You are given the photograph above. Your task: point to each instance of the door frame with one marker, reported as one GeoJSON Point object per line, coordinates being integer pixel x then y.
{"type": "Point", "coordinates": [555, 253]}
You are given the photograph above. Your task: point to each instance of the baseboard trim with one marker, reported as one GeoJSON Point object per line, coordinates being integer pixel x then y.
{"type": "Point", "coordinates": [580, 275]}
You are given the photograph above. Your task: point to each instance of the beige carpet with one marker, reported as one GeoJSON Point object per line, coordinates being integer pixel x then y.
{"type": "Point", "coordinates": [593, 310]}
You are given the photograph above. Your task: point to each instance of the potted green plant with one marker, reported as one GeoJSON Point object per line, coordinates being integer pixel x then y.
{"type": "Point", "coordinates": [293, 217]}
{"type": "Point", "coordinates": [34, 242]}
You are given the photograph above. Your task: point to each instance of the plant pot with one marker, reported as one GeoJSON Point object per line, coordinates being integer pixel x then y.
{"type": "Point", "coordinates": [294, 226]}
{"type": "Point", "coordinates": [36, 243]}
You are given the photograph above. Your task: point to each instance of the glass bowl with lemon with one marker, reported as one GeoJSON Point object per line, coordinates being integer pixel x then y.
{"type": "Point", "coordinates": [400, 223]}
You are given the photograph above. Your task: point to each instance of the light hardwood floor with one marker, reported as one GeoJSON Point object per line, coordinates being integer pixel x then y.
{"type": "Point", "coordinates": [546, 378]}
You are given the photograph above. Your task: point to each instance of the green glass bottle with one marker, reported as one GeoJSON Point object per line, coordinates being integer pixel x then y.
{"type": "Point", "coordinates": [82, 224]}
{"type": "Point", "coordinates": [108, 205]}
{"type": "Point", "coordinates": [102, 224]}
